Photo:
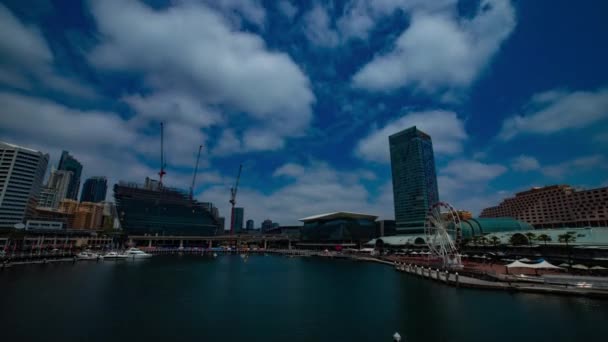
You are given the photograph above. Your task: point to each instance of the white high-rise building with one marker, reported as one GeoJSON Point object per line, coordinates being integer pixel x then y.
{"type": "Point", "coordinates": [21, 174]}
{"type": "Point", "coordinates": [56, 189]}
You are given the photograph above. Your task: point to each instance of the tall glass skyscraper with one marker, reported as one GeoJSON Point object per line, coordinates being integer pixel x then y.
{"type": "Point", "coordinates": [94, 190]}
{"type": "Point", "coordinates": [414, 179]}
{"type": "Point", "coordinates": [239, 217]}
{"type": "Point", "coordinates": [69, 163]}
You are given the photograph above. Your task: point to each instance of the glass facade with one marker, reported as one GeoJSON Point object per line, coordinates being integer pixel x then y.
{"type": "Point", "coordinates": [414, 179]}
{"type": "Point", "coordinates": [94, 190]}
{"type": "Point", "coordinates": [239, 216]}
{"type": "Point", "coordinates": [69, 163]}
{"type": "Point", "coordinates": [339, 230]}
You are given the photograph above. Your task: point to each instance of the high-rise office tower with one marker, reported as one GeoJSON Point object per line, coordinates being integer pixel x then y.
{"type": "Point", "coordinates": [250, 225]}
{"type": "Point", "coordinates": [21, 174]}
{"type": "Point", "coordinates": [94, 190]}
{"type": "Point", "coordinates": [56, 189]}
{"type": "Point", "coordinates": [414, 179]}
{"type": "Point", "coordinates": [239, 217]}
{"type": "Point", "coordinates": [69, 163]}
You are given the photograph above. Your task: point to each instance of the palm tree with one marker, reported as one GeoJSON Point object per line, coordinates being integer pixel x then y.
{"type": "Point", "coordinates": [518, 239]}
{"type": "Point", "coordinates": [495, 240]}
{"type": "Point", "coordinates": [567, 238]}
{"type": "Point", "coordinates": [544, 238]}
{"type": "Point", "coordinates": [531, 236]}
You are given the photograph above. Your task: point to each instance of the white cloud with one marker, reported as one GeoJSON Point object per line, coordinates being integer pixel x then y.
{"type": "Point", "coordinates": [287, 8]}
{"type": "Point", "coordinates": [569, 167]}
{"type": "Point", "coordinates": [360, 16]}
{"type": "Point", "coordinates": [192, 54]}
{"type": "Point", "coordinates": [26, 58]}
{"type": "Point", "coordinates": [525, 163]}
{"type": "Point", "coordinates": [252, 10]}
{"type": "Point", "coordinates": [315, 188]}
{"type": "Point", "coordinates": [318, 27]}
{"type": "Point", "coordinates": [554, 111]}
{"type": "Point", "coordinates": [445, 129]}
{"type": "Point", "coordinates": [464, 183]}
{"type": "Point", "coordinates": [438, 51]}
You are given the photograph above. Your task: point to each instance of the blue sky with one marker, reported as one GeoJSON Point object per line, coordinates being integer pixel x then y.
{"type": "Point", "coordinates": [305, 94]}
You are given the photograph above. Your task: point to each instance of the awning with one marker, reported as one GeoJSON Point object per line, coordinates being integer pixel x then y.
{"type": "Point", "coordinates": [541, 265]}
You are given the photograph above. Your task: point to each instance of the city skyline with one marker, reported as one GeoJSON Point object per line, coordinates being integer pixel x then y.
{"type": "Point", "coordinates": [313, 137]}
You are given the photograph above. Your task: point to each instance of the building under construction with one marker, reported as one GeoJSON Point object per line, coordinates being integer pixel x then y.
{"type": "Point", "coordinates": [154, 209]}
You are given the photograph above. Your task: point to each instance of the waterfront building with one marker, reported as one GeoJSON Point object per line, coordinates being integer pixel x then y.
{"type": "Point", "coordinates": [157, 209]}
{"type": "Point", "coordinates": [239, 216]}
{"type": "Point", "coordinates": [414, 179]}
{"type": "Point", "coordinates": [55, 215]}
{"type": "Point", "coordinates": [69, 163]}
{"type": "Point", "coordinates": [250, 225]}
{"type": "Point", "coordinates": [471, 229]}
{"type": "Point", "coordinates": [385, 227]}
{"type": "Point", "coordinates": [94, 190]}
{"type": "Point", "coordinates": [337, 228]}
{"type": "Point", "coordinates": [88, 216]}
{"type": "Point", "coordinates": [68, 206]}
{"type": "Point", "coordinates": [266, 225]}
{"type": "Point", "coordinates": [43, 225]}
{"type": "Point", "coordinates": [56, 189]}
{"type": "Point", "coordinates": [221, 228]}
{"type": "Point", "coordinates": [555, 206]}
{"type": "Point", "coordinates": [110, 216]}
{"type": "Point", "coordinates": [21, 174]}
{"type": "Point", "coordinates": [293, 232]}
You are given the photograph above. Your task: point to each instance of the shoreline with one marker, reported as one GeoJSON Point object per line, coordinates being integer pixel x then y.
{"type": "Point", "coordinates": [446, 278]}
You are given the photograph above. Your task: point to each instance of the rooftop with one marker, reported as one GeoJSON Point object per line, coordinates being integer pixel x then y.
{"type": "Point", "coordinates": [339, 214]}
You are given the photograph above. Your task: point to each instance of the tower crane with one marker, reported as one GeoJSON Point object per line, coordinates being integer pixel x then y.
{"type": "Point", "coordinates": [232, 201]}
{"type": "Point", "coordinates": [198, 157]}
{"type": "Point", "coordinates": [162, 172]}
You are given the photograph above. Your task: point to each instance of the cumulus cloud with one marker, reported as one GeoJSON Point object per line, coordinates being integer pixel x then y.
{"type": "Point", "coordinates": [445, 128]}
{"type": "Point", "coordinates": [360, 16]}
{"type": "Point", "coordinates": [319, 189]}
{"type": "Point", "coordinates": [194, 55]}
{"type": "Point", "coordinates": [525, 163]}
{"type": "Point", "coordinates": [104, 142]}
{"type": "Point", "coordinates": [26, 60]}
{"type": "Point", "coordinates": [439, 51]}
{"type": "Point", "coordinates": [318, 27]}
{"type": "Point", "coordinates": [464, 183]}
{"type": "Point", "coordinates": [287, 8]}
{"type": "Point", "coordinates": [556, 110]}
{"type": "Point", "coordinates": [585, 163]}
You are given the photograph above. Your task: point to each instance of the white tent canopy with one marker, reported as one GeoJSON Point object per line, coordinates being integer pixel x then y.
{"type": "Point", "coordinates": [541, 265]}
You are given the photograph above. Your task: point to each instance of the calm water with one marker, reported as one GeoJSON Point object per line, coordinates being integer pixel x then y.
{"type": "Point", "coordinates": [273, 299]}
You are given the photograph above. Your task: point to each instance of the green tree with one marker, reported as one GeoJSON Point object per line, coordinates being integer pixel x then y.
{"type": "Point", "coordinates": [495, 240]}
{"type": "Point", "coordinates": [531, 237]}
{"type": "Point", "coordinates": [567, 239]}
{"type": "Point", "coordinates": [544, 238]}
{"type": "Point", "coordinates": [518, 239]}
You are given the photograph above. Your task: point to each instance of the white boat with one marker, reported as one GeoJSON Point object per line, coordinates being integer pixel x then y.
{"type": "Point", "coordinates": [87, 255]}
{"type": "Point", "coordinates": [134, 253]}
{"type": "Point", "coordinates": [115, 255]}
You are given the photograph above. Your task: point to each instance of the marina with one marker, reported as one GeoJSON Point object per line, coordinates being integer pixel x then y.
{"type": "Point", "coordinates": [194, 298]}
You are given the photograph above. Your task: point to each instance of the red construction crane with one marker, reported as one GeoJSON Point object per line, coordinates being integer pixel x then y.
{"type": "Point", "coordinates": [162, 172]}
{"type": "Point", "coordinates": [195, 170]}
{"type": "Point", "coordinates": [233, 198]}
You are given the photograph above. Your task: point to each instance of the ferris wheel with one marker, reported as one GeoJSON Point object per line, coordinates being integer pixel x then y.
{"type": "Point", "coordinates": [443, 232]}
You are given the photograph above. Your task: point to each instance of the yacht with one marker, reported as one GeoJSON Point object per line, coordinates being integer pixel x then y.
{"type": "Point", "coordinates": [135, 253]}
{"type": "Point", "coordinates": [88, 255]}
{"type": "Point", "coordinates": [115, 255]}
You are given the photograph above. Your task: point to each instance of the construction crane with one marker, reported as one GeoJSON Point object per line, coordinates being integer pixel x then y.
{"type": "Point", "coordinates": [162, 172]}
{"type": "Point", "coordinates": [198, 157]}
{"type": "Point", "coordinates": [233, 198]}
